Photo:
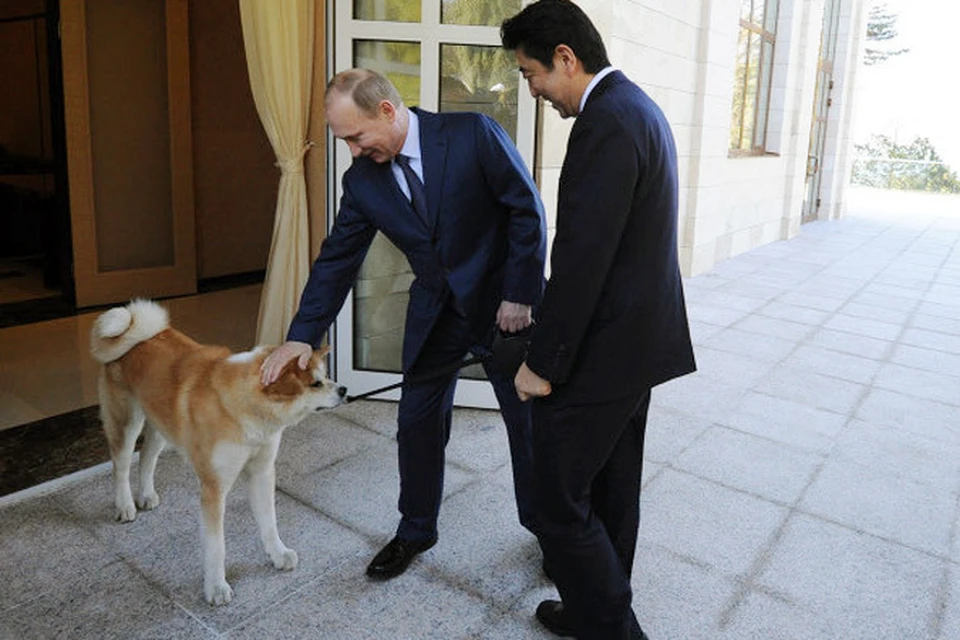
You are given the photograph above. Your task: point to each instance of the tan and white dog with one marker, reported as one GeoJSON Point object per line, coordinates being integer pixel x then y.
{"type": "Point", "coordinates": [211, 405]}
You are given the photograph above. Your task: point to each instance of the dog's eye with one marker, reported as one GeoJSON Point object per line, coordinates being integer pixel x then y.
{"type": "Point", "coordinates": [317, 383]}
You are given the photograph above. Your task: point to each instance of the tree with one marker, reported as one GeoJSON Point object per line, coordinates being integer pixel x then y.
{"type": "Point", "coordinates": [881, 28]}
{"type": "Point", "coordinates": [916, 166]}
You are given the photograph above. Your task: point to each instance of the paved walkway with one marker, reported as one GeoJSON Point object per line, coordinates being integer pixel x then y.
{"type": "Point", "coordinates": [802, 485]}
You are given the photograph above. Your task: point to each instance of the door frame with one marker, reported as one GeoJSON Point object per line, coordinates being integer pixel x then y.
{"type": "Point", "coordinates": [822, 102]}
{"type": "Point", "coordinates": [92, 285]}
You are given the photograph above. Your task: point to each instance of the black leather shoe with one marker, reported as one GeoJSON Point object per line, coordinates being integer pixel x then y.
{"type": "Point", "coordinates": [550, 613]}
{"type": "Point", "coordinates": [394, 558]}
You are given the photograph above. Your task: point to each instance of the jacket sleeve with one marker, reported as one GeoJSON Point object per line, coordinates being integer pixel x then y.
{"type": "Point", "coordinates": [597, 184]}
{"type": "Point", "coordinates": [333, 272]}
{"type": "Point", "coordinates": [510, 181]}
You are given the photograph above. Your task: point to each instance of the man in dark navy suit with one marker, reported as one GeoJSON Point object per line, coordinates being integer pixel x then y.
{"type": "Point", "coordinates": [452, 193]}
{"type": "Point", "coordinates": [612, 323]}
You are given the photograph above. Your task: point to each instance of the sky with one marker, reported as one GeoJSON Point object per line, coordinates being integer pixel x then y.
{"type": "Point", "coordinates": [916, 94]}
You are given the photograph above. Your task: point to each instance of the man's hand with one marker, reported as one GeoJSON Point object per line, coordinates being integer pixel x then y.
{"type": "Point", "coordinates": [272, 367]}
{"type": "Point", "coordinates": [530, 385]}
{"type": "Point", "coordinates": [513, 316]}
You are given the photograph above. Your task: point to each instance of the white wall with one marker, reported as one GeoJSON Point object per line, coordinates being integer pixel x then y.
{"type": "Point", "coordinates": [682, 53]}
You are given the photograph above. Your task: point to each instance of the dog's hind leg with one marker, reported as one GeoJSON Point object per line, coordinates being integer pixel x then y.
{"type": "Point", "coordinates": [122, 421]}
{"type": "Point", "coordinates": [153, 443]}
{"type": "Point", "coordinates": [263, 479]}
{"type": "Point", "coordinates": [216, 479]}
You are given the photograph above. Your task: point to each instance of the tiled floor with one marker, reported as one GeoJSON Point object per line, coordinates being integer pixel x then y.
{"type": "Point", "coordinates": [46, 368]}
{"type": "Point", "coordinates": [803, 485]}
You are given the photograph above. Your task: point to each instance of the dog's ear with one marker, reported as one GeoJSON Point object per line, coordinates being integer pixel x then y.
{"type": "Point", "coordinates": [291, 383]}
{"type": "Point", "coordinates": [322, 351]}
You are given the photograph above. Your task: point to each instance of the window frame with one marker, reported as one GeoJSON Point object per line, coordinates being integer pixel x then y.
{"type": "Point", "coordinates": [761, 95]}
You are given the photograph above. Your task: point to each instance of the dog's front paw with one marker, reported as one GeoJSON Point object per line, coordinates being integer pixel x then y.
{"type": "Point", "coordinates": [126, 511]}
{"type": "Point", "coordinates": [285, 560]}
{"type": "Point", "coordinates": [218, 594]}
{"type": "Point", "coordinates": [148, 501]}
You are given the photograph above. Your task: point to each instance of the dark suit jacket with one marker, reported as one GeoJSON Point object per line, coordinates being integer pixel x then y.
{"type": "Point", "coordinates": [613, 321]}
{"type": "Point", "coordinates": [485, 242]}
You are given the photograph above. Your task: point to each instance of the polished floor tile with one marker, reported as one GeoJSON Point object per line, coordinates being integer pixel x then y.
{"type": "Point", "coordinates": [46, 369]}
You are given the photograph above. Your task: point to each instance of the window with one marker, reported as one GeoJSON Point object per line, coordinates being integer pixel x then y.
{"type": "Point", "coordinates": [751, 84]}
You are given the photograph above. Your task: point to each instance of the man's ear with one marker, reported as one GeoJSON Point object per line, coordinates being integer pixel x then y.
{"type": "Point", "coordinates": [566, 58]}
{"type": "Point", "coordinates": [388, 110]}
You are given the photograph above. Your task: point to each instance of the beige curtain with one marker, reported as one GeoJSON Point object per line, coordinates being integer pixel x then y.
{"type": "Point", "coordinates": [278, 38]}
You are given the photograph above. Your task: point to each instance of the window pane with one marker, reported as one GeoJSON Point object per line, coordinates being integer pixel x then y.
{"type": "Point", "coordinates": [380, 293]}
{"type": "Point", "coordinates": [739, 84]}
{"type": "Point", "coordinates": [389, 10]}
{"type": "Point", "coordinates": [483, 79]}
{"type": "Point", "coordinates": [763, 96]}
{"type": "Point", "coordinates": [746, 10]}
{"type": "Point", "coordinates": [770, 16]}
{"type": "Point", "coordinates": [478, 12]}
{"type": "Point", "coordinates": [750, 99]}
{"type": "Point", "coordinates": [398, 61]}
{"type": "Point", "coordinates": [758, 11]}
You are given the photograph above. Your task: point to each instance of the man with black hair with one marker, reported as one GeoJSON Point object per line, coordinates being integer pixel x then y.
{"type": "Point", "coordinates": [612, 323]}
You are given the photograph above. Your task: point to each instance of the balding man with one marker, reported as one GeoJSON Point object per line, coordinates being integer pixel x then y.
{"type": "Point", "coordinates": [452, 193]}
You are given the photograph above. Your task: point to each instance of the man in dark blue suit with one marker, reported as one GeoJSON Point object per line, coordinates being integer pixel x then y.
{"type": "Point", "coordinates": [612, 323]}
{"type": "Point", "coordinates": [452, 193]}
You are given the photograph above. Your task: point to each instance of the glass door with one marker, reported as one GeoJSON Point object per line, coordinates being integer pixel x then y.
{"type": "Point", "coordinates": [821, 106]}
{"type": "Point", "coordinates": [442, 55]}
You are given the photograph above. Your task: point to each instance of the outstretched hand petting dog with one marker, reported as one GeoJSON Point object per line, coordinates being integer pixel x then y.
{"type": "Point", "coordinates": [273, 366]}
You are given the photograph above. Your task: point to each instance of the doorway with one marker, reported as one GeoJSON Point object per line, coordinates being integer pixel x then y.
{"type": "Point", "coordinates": [35, 250]}
{"type": "Point", "coordinates": [822, 102]}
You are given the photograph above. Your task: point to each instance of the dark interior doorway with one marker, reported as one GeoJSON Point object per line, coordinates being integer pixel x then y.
{"type": "Point", "coordinates": [35, 249]}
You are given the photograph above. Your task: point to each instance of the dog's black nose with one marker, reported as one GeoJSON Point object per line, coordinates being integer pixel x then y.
{"type": "Point", "coordinates": [342, 391]}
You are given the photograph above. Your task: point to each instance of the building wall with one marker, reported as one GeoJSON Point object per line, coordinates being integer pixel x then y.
{"type": "Point", "coordinates": [683, 53]}
{"type": "Point", "coordinates": [235, 180]}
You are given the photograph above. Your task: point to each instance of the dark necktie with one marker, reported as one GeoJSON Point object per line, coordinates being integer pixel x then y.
{"type": "Point", "coordinates": [418, 196]}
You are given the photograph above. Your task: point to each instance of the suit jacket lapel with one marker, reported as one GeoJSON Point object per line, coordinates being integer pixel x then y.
{"type": "Point", "coordinates": [433, 147]}
{"type": "Point", "coordinates": [386, 183]}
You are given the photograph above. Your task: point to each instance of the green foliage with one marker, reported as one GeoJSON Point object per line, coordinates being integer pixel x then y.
{"type": "Point", "coordinates": [478, 12]}
{"type": "Point", "coordinates": [479, 78]}
{"type": "Point", "coordinates": [881, 28]}
{"type": "Point", "coordinates": [915, 166]}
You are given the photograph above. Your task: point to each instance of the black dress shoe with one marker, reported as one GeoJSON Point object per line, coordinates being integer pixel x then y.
{"type": "Point", "coordinates": [394, 558]}
{"type": "Point", "coordinates": [550, 613]}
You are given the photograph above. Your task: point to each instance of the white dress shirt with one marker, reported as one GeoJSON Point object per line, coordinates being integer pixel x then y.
{"type": "Point", "coordinates": [596, 79]}
{"type": "Point", "coordinates": [411, 149]}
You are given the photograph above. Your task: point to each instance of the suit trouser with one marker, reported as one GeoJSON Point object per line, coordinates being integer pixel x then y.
{"type": "Point", "coordinates": [588, 461]}
{"type": "Point", "coordinates": [424, 416]}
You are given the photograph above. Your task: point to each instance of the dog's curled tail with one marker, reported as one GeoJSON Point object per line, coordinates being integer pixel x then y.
{"type": "Point", "coordinates": [120, 329]}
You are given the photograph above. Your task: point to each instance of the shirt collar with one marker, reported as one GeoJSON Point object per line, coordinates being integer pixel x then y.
{"type": "Point", "coordinates": [411, 146]}
{"type": "Point", "coordinates": [603, 73]}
